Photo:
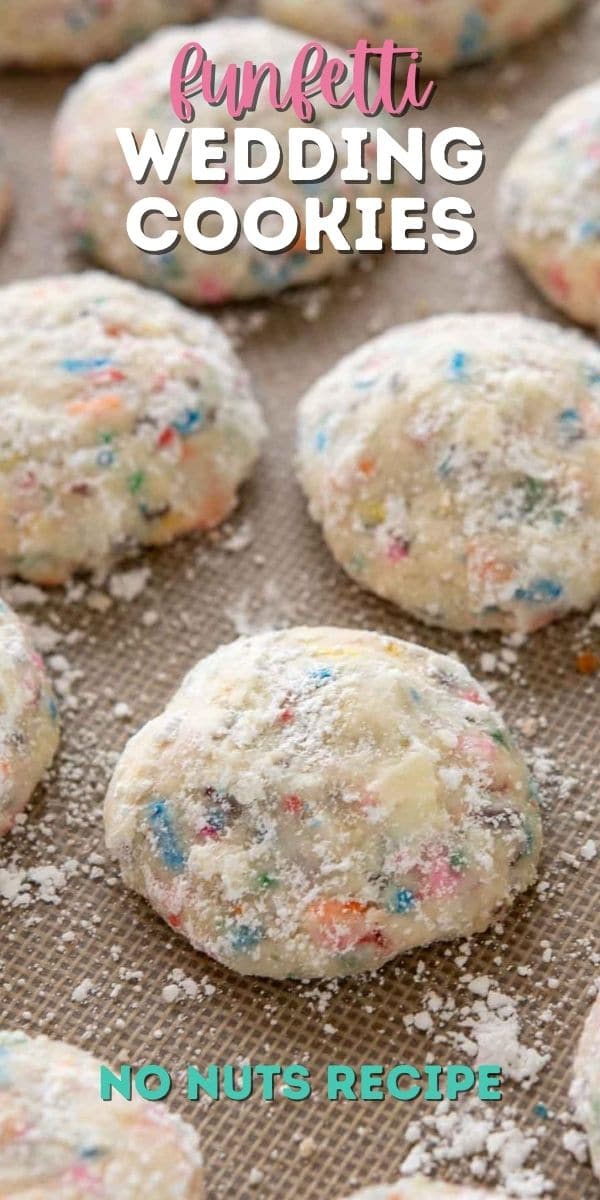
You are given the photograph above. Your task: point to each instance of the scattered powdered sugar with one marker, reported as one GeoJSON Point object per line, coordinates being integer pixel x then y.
{"type": "Point", "coordinates": [128, 585]}
{"type": "Point", "coordinates": [469, 1133]}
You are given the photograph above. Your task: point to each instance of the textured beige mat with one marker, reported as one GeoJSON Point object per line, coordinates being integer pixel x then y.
{"type": "Point", "coordinates": [82, 959]}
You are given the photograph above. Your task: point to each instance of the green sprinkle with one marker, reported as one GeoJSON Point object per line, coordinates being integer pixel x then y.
{"type": "Point", "coordinates": [535, 491]}
{"type": "Point", "coordinates": [135, 481]}
{"type": "Point", "coordinates": [267, 881]}
{"type": "Point", "coordinates": [498, 736]}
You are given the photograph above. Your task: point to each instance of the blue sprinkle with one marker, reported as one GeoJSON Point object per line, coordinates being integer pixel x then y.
{"type": "Point", "coordinates": [415, 695]}
{"type": "Point", "coordinates": [363, 384]}
{"type": "Point", "coordinates": [458, 364]}
{"type": "Point", "coordinates": [540, 1110]}
{"type": "Point", "coordinates": [105, 458]}
{"type": "Point", "coordinates": [244, 937]}
{"type": "Point", "coordinates": [592, 376]}
{"type": "Point", "coordinates": [190, 420]}
{"type": "Point", "coordinates": [446, 466]}
{"type": "Point", "coordinates": [91, 1151]}
{"type": "Point", "coordinates": [473, 35]}
{"type": "Point", "coordinates": [53, 708]}
{"type": "Point", "coordinates": [321, 441]}
{"type": "Point", "coordinates": [216, 819]}
{"type": "Point", "coordinates": [75, 366]}
{"type": "Point", "coordinates": [570, 420]}
{"type": "Point", "coordinates": [404, 901]}
{"type": "Point", "coordinates": [542, 589]}
{"type": "Point", "coordinates": [321, 675]}
{"type": "Point", "coordinates": [162, 826]}
{"type": "Point", "coordinates": [589, 231]}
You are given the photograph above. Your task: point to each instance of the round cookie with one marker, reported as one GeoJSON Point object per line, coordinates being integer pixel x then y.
{"type": "Point", "coordinates": [585, 1090]}
{"type": "Point", "coordinates": [449, 33]}
{"type": "Point", "coordinates": [28, 718]}
{"type": "Point", "coordinates": [96, 191]}
{"type": "Point", "coordinates": [420, 1188]}
{"type": "Point", "coordinates": [550, 204]}
{"type": "Point", "coordinates": [454, 465]}
{"type": "Point", "coordinates": [126, 421]}
{"type": "Point", "coordinates": [60, 1141]}
{"type": "Point", "coordinates": [313, 802]}
{"type": "Point", "coordinates": [51, 33]}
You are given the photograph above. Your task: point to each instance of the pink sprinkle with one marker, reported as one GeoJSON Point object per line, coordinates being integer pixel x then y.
{"type": "Point", "coordinates": [442, 880]}
{"type": "Point", "coordinates": [397, 551]}
{"type": "Point", "coordinates": [209, 833]}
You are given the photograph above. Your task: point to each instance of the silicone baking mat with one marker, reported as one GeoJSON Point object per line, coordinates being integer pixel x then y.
{"type": "Point", "coordinates": [82, 959]}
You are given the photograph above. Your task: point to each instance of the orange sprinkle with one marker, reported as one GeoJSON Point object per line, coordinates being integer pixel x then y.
{"type": "Point", "coordinates": [335, 912]}
{"type": "Point", "coordinates": [366, 466]}
{"type": "Point", "coordinates": [97, 406]}
{"type": "Point", "coordinates": [587, 662]}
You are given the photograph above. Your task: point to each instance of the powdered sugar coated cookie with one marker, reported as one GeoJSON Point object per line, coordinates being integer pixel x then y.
{"type": "Point", "coordinates": [50, 33]}
{"type": "Point", "coordinates": [449, 33]}
{"type": "Point", "coordinates": [313, 802]}
{"type": "Point", "coordinates": [96, 190]}
{"type": "Point", "coordinates": [420, 1188]}
{"type": "Point", "coordinates": [453, 465]}
{"type": "Point", "coordinates": [28, 717]}
{"type": "Point", "coordinates": [550, 204]}
{"type": "Point", "coordinates": [126, 420]}
{"type": "Point", "coordinates": [585, 1091]}
{"type": "Point", "coordinates": [60, 1141]}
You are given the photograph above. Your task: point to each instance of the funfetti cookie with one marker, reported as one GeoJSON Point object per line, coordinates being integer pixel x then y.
{"type": "Point", "coordinates": [60, 1141]}
{"type": "Point", "coordinates": [53, 33]}
{"type": "Point", "coordinates": [449, 33]}
{"type": "Point", "coordinates": [28, 718]}
{"type": "Point", "coordinates": [550, 204]}
{"type": "Point", "coordinates": [313, 802]}
{"type": "Point", "coordinates": [96, 190]}
{"type": "Point", "coordinates": [126, 420]}
{"type": "Point", "coordinates": [585, 1090]}
{"type": "Point", "coordinates": [453, 465]}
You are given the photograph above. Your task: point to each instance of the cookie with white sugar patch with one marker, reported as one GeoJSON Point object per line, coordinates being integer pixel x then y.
{"type": "Point", "coordinates": [585, 1090]}
{"type": "Point", "coordinates": [127, 420]}
{"type": "Point", "coordinates": [28, 718]}
{"type": "Point", "coordinates": [449, 33]}
{"type": "Point", "coordinates": [313, 802]}
{"type": "Point", "coordinates": [53, 33]}
{"type": "Point", "coordinates": [420, 1188]}
{"type": "Point", "coordinates": [550, 204]}
{"type": "Point", "coordinates": [96, 189]}
{"type": "Point", "coordinates": [59, 1140]}
{"type": "Point", "coordinates": [453, 465]}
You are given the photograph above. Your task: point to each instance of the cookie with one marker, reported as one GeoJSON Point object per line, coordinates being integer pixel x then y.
{"type": "Point", "coordinates": [313, 802]}
{"type": "Point", "coordinates": [449, 33]}
{"type": "Point", "coordinates": [96, 190]}
{"type": "Point", "coordinates": [453, 465]}
{"type": "Point", "coordinates": [419, 1188]}
{"type": "Point", "coordinates": [52, 33]}
{"type": "Point", "coordinates": [28, 718]}
{"type": "Point", "coordinates": [585, 1091]}
{"type": "Point", "coordinates": [60, 1141]}
{"type": "Point", "coordinates": [550, 205]}
{"type": "Point", "coordinates": [126, 421]}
